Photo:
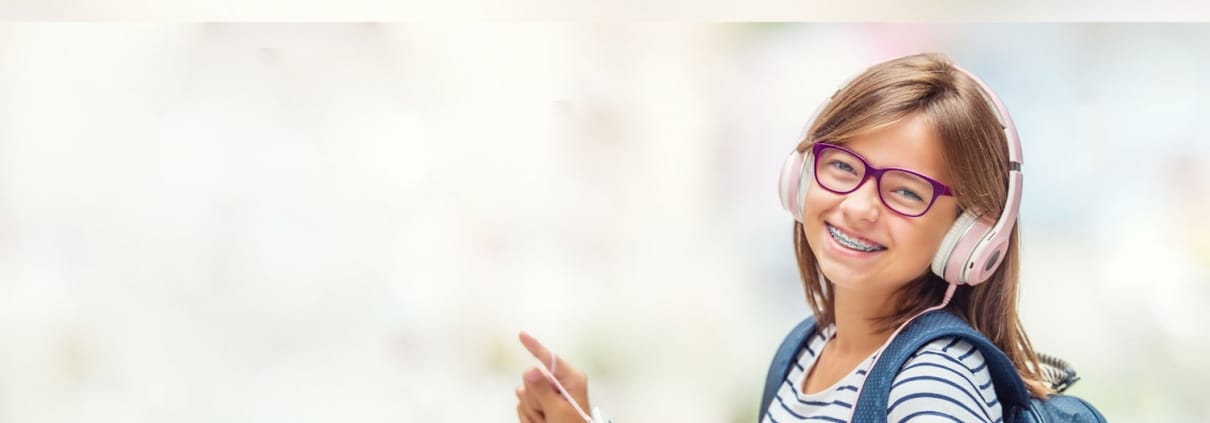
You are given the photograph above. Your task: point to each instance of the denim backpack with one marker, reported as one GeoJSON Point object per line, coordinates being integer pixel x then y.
{"type": "Point", "coordinates": [1017, 405]}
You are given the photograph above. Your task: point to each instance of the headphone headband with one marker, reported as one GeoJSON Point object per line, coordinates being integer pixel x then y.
{"type": "Point", "coordinates": [1005, 120]}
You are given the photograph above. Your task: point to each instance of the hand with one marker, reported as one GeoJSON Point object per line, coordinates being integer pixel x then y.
{"type": "Point", "coordinates": [539, 400]}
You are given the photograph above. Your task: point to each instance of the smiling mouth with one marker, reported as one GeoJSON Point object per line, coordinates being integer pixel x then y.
{"type": "Point", "coordinates": [853, 243]}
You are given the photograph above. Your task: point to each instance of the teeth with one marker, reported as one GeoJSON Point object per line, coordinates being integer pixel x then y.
{"type": "Point", "coordinates": [852, 243]}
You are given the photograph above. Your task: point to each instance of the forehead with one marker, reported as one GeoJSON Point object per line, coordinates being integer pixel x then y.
{"type": "Point", "coordinates": [910, 144]}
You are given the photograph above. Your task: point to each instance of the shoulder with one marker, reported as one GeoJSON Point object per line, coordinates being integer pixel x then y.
{"type": "Point", "coordinates": [945, 380]}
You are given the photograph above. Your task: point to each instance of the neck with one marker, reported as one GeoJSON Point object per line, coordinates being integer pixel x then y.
{"type": "Point", "coordinates": [858, 330]}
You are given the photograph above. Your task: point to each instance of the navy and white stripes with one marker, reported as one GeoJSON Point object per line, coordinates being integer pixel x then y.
{"type": "Point", "coordinates": [945, 381]}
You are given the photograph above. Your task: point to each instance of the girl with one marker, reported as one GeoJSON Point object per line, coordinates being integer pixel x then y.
{"type": "Point", "coordinates": [904, 193]}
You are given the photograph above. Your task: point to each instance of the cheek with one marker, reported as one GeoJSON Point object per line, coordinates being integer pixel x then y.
{"type": "Point", "coordinates": [929, 230]}
{"type": "Point", "coordinates": [815, 204]}
{"type": "Point", "coordinates": [941, 223]}
{"type": "Point", "coordinates": [933, 235]}
{"type": "Point", "coordinates": [924, 237]}
{"type": "Point", "coordinates": [818, 200]}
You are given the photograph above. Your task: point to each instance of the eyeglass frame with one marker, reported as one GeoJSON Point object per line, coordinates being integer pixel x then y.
{"type": "Point", "coordinates": [939, 189]}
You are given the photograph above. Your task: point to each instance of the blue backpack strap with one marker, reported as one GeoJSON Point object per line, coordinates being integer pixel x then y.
{"type": "Point", "coordinates": [872, 404]}
{"type": "Point", "coordinates": [780, 366]}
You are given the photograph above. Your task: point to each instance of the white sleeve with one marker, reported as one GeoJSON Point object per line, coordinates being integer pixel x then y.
{"type": "Point", "coordinates": [599, 416]}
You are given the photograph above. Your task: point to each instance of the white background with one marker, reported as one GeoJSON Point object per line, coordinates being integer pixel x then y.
{"type": "Point", "coordinates": [350, 222]}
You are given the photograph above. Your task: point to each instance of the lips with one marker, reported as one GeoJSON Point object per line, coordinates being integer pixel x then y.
{"type": "Point", "coordinates": [852, 241]}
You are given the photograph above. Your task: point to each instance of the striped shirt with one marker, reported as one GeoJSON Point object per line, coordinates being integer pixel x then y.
{"type": "Point", "coordinates": [945, 381]}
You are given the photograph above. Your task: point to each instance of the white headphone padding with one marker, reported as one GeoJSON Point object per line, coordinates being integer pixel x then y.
{"type": "Point", "coordinates": [805, 180]}
{"type": "Point", "coordinates": [955, 234]}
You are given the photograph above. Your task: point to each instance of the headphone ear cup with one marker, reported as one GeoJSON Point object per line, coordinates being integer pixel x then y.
{"type": "Point", "coordinates": [787, 183]}
{"type": "Point", "coordinates": [794, 182]}
{"type": "Point", "coordinates": [985, 260]}
{"type": "Point", "coordinates": [954, 255]}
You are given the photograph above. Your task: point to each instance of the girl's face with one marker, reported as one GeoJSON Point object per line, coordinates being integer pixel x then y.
{"type": "Point", "coordinates": [858, 242]}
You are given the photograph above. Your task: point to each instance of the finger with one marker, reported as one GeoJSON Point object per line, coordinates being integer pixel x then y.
{"type": "Point", "coordinates": [523, 417]}
{"type": "Point", "coordinates": [540, 390]}
{"type": "Point", "coordinates": [529, 405]}
{"type": "Point", "coordinates": [543, 354]}
{"type": "Point", "coordinates": [528, 415]}
{"type": "Point", "coordinates": [536, 348]}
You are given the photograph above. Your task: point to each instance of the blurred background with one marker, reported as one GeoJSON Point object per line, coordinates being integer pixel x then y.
{"type": "Point", "coordinates": [351, 222]}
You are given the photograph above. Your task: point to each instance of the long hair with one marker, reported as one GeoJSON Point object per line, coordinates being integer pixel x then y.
{"type": "Point", "coordinates": [975, 152]}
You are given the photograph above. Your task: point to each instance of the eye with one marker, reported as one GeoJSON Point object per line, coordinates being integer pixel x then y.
{"type": "Point", "coordinates": [842, 166]}
{"type": "Point", "coordinates": [909, 194]}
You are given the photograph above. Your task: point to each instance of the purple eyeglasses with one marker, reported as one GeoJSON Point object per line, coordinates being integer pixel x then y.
{"type": "Point", "coordinates": [842, 171]}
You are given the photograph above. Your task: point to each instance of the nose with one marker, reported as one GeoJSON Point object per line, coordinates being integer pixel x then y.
{"type": "Point", "coordinates": [864, 204]}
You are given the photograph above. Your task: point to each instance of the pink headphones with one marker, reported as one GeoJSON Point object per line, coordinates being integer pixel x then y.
{"type": "Point", "coordinates": [971, 250]}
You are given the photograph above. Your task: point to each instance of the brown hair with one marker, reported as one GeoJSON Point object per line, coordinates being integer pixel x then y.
{"type": "Point", "coordinates": [975, 152]}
